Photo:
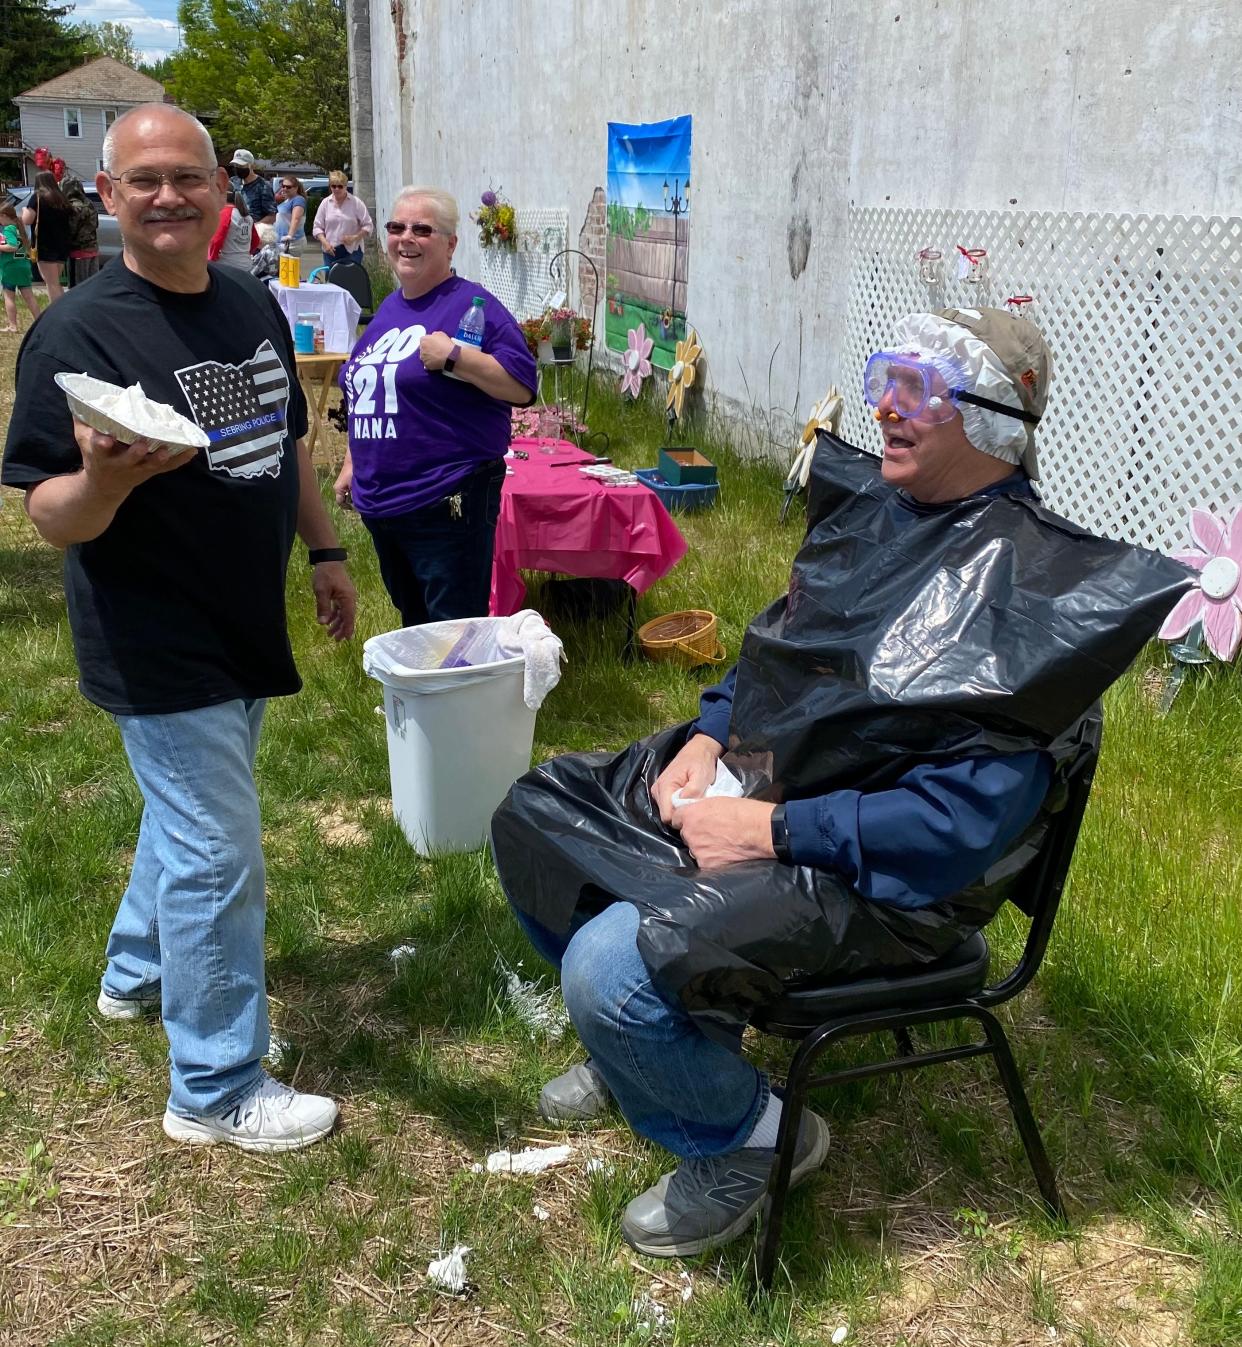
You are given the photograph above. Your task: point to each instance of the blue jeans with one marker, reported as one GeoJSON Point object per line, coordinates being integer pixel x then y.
{"type": "Point", "coordinates": [436, 563]}
{"type": "Point", "coordinates": [191, 920]}
{"type": "Point", "coordinates": [351, 256]}
{"type": "Point", "coordinates": [677, 1087]}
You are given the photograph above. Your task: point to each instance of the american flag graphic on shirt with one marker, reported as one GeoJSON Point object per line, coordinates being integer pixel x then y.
{"type": "Point", "coordinates": [242, 409]}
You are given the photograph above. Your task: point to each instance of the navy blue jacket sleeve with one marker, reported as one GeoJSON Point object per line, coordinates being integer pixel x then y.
{"type": "Point", "coordinates": [933, 833]}
{"type": "Point", "coordinates": [716, 709]}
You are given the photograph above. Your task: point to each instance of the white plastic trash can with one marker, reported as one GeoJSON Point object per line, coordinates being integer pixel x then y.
{"type": "Point", "coordinates": [457, 738]}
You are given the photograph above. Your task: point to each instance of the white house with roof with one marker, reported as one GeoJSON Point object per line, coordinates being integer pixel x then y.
{"type": "Point", "coordinates": [69, 115]}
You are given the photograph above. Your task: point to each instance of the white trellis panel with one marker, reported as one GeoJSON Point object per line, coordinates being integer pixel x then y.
{"type": "Point", "coordinates": [1144, 317]}
{"type": "Point", "coordinates": [519, 277]}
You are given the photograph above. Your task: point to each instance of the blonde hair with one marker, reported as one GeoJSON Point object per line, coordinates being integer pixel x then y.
{"type": "Point", "coordinates": [337, 179]}
{"type": "Point", "coordinates": [443, 205]}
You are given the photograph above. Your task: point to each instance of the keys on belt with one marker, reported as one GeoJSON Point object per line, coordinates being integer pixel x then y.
{"type": "Point", "coordinates": [454, 504]}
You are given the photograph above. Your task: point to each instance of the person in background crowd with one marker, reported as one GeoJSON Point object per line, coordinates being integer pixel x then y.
{"type": "Point", "coordinates": [175, 569]}
{"type": "Point", "coordinates": [48, 218]}
{"type": "Point", "coordinates": [265, 264]}
{"type": "Point", "coordinates": [426, 452]}
{"type": "Point", "coordinates": [291, 214]}
{"type": "Point", "coordinates": [235, 238]}
{"type": "Point", "coordinates": [83, 233]}
{"type": "Point", "coordinates": [342, 222]}
{"type": "Point", "coordinates": [15, 276]}
{"type": "Point", "coordinates": [260, 198]}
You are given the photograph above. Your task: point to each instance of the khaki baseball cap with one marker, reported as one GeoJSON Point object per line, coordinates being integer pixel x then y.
{"type": "Point", "coordinates": [1024, 355]}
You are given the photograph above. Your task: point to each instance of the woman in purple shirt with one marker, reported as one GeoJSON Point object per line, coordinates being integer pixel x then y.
{"type": "Point", "coordinates": [429, 420]}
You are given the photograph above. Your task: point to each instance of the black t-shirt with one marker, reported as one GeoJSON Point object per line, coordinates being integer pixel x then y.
{"type": "Point", "coordinates": [180, 602]}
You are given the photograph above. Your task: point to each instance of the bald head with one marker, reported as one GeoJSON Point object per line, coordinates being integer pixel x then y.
{"type": "Point", "coordinates": [133, 128]}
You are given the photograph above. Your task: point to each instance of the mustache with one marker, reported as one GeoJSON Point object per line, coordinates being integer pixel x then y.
{"type": "Point", "coordinates": [176, 213]}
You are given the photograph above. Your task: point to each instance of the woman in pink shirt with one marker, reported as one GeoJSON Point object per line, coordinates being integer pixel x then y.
{"type": "Point", "coordinates": [341, 223]}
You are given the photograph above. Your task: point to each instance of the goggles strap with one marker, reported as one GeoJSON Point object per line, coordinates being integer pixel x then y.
{"type": "Point", "coordinates": [1018, 413]}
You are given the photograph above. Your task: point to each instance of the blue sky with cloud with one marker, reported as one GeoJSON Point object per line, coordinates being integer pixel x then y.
{"type": "Point", "coordinates": [153, 22]}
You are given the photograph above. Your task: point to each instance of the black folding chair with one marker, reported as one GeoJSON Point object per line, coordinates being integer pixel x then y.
{"type": "Point", "coordinates": [353, 277]}
{"type": "Point", "coordinates": [953, 988]}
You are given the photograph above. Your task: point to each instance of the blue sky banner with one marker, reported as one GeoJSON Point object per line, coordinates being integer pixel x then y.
{"type": "Point", "coordinates": [649, 200]}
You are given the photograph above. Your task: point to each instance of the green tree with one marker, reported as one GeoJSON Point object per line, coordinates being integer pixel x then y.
{"type": "Point", "coordinates": [36, 44]}
{"type": "Point", "coordinates": [268, 75]}
{"type": "Point", "coordinates": [110, 39]}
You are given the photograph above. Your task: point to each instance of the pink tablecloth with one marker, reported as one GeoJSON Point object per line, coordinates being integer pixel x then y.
{"type": "Point", "coordinates": [552, 518]}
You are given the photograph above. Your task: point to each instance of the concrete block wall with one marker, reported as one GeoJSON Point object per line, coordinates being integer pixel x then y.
{"type": "Point", "coordinates": [801, 109]}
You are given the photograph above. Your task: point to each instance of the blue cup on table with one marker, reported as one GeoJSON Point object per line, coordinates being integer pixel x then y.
{"type": "Point", "coordinates": [304, 338]}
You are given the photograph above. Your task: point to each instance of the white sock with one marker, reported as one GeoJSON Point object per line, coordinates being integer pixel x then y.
{"type": "Point", "coordinates": [768, 1125]}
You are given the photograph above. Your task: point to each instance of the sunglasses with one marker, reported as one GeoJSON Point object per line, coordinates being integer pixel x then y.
{"type": "Point", "coordinates": [420, 231]}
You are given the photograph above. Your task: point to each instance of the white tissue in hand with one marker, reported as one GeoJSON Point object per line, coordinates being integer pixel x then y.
{"type": "Point", "coordinates": [725, 783]}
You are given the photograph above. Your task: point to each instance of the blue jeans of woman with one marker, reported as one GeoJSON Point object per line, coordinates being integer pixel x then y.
{"type": "Point", "coordinates": [677, 1087]}
{"type": "Point", "coordinates": [347, 256]}
{"type": "Point", "coordinates": [436, 563]}
{"type": "Point", "coordinates": [191, 922]}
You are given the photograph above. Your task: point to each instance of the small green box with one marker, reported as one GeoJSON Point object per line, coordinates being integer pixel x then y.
{"type": "Point", "coordinates": [684, 467]}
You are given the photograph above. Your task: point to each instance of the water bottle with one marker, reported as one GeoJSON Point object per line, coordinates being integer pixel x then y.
{"type": "Point", "coordinates": [470, 329]}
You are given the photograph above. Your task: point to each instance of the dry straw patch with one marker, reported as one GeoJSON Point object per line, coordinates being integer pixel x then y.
{"type": "Point", "coordinates": [1109, 1282]}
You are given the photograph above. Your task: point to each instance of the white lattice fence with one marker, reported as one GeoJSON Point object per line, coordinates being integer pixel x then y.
{"type": "Point", "coordinates": [1144, 318]}
{"type": "Point", "coordinates": [519, 277]}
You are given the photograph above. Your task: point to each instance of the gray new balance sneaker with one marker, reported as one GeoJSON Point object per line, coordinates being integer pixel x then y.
{"type": "Point", "coordinates": [577, 1096]}
{"type": "Point", "coordinates": [703, 1203]}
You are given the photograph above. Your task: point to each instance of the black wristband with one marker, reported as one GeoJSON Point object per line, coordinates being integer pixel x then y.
{"type": "Point", "coordinates": [780, 836]}
{"type": "Point", "coordinates": [318, 554]}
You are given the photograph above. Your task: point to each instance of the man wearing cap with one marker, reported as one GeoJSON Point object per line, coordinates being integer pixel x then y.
{"type": "Point", "coordinates": [259, 194]}
{"type": "Point", "coordinates": [859, 792]}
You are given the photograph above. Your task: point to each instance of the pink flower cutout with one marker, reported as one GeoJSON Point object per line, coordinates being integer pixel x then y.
{"type": "Point", "coordinates": [1217, 599]}
{"type": "Point", "coordinates": [636, 362]}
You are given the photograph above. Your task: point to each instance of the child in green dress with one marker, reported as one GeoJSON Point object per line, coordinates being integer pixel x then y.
{"type": "Point", "coordinates": [15, 275]}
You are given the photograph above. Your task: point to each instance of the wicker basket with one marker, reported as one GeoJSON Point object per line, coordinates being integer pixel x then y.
{"type": "Point", "coordinates": [687, 638]}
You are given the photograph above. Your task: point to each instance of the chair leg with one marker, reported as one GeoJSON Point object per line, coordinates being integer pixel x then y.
{"type": "Point", "coordinates": [904, 1044]}
{"type": "Point", "coordinates": [1020, 1107]}
{"type": "Point", "coordinates": [773, 1216]}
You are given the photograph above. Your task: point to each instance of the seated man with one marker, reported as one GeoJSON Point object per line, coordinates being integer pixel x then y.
{"type": "Point", "coordinates": [899, 725]}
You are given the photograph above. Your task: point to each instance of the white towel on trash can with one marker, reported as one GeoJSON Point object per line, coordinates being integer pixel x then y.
{"type": "Point", "coordinates": [528, 635]}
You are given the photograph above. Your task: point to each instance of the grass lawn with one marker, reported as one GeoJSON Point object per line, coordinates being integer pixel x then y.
{"type": "Point", "coordinates": [922, 1228]}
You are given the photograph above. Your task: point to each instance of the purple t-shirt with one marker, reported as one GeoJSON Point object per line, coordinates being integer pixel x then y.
{"type": "Point", "coordinates": [415, 434]}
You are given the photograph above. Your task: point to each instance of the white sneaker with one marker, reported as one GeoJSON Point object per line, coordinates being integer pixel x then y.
{"type": "Point", "coordinates": [272, 1117]}
{"type": "Point", "coordinates": [127, 1008]}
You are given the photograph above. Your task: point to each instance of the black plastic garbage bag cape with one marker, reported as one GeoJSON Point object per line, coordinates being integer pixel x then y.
{"type": "Point", "coordinates": [909, 634]}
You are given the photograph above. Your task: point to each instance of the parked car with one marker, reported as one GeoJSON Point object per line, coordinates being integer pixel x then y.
{"type": "Point", "coordinates": [109, 238]}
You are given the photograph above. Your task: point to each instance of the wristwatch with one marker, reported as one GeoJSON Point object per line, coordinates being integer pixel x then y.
{"type": "Point", "coordinates": [452, 358]}
{"type": "Point", "coordinates": [780, 836]}
{"type": "Point", "coordinates": [317, 554]}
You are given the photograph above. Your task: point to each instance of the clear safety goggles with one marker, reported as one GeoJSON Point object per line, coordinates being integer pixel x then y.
{"type": "Point", "coordinates": [916, 390]}
{"type": "Point", "coordinates": [919, 391]}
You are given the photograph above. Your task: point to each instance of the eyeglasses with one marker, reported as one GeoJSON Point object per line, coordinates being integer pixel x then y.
{"type": "Point", "coordinates": [420, 231]}
{"type": "Point", "coordinates": [146, 182]}
{"type": "Point", "coordinates": [288, 186]}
